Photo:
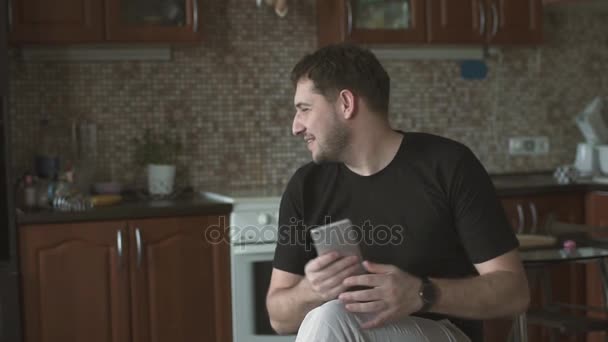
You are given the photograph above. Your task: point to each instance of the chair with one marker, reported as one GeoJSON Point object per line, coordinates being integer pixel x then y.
{"type": "Point", "coordinates": [567, 318]}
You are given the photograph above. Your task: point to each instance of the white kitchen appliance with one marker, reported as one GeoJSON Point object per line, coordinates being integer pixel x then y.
{"type": "Point", "coordinates": [592, 125]}
{"type": "Point", "coordinates": [253, 236]}
{"type": "Point", "coordinates": [586, 161]}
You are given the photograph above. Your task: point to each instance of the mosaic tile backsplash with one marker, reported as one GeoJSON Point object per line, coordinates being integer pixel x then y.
{"type": "Point", "coordinates": [230, 100]}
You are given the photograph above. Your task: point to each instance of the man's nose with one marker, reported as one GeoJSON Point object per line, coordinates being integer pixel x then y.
{"type": "Point", "coordinates": [297, 127]}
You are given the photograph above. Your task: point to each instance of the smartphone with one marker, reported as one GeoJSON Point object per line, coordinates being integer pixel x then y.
{"type": "Point", "coordinates": [339, 237]}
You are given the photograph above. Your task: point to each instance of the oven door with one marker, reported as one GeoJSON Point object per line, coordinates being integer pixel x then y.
{"type": "Point", "coordinates": [251, 268]}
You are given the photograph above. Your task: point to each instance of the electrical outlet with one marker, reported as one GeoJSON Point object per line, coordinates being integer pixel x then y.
{"type": "Point", "coordinates": [528, 146]}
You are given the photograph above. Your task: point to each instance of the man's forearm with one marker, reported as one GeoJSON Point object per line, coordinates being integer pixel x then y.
{"type": "Point", "coordinates": [288, 307]}
{"type": "Point", "coordinates": [491, 295]}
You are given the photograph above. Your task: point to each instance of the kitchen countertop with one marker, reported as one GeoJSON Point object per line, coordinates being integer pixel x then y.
{"type": "Point", "coordinates": [195, 204]}
{"type": "Point", "coordinates": [539, 183]}
{"type": "Point", "coordinates": [191, 205]}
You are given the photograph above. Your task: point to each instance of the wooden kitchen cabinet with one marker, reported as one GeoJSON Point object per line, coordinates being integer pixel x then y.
{"type": "Point", "coordinates": [57, 21]}
{"type": "Point", "coordinates": [515, 22]}
{"type": "Point", "coordinates": [467, 22]}
{"type": "Point", "coordinates": [371, 21]}
{"type": "Point", "coordinates": [180, 283]}
{"type": "Point", "coordinates": [95, 21]}
{"type": "Point", "coordinates": [596, 215]}
{"type": "Point", "coordinates": [529, 214]}
{"type": "Point", "coordinates": [75, 284]}
{"type": "Point", "coordinates": [457, 21]}
{"type": "Point", "coordinates": [142, 280]}
{"type": "Point", "coordinates": [161, 21]}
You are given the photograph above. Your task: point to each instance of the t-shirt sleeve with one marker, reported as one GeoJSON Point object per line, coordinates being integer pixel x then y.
{"type": "Point", "coordinates": [479, 216]}
{"type": "Point", "coordinates": [290, 254]}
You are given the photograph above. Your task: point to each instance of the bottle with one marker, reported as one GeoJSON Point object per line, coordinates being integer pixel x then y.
{"type": "Point", "coordinates": [29, 192]}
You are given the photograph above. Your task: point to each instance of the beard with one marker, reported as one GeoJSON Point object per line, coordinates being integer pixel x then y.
{"type": "Point", "coordinates": [335, 142]}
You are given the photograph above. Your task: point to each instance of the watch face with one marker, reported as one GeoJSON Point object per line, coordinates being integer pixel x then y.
{"type": "Point", "coordinates": [428, 293]}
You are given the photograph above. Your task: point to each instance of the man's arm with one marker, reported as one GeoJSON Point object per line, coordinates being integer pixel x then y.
{"type": "Point", "coordinates": [501, 289]}
{"type": "Point", "coordinates": [291, 296]}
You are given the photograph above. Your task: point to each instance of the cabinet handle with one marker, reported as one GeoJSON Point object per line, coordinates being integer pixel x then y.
{"type": "Point", "coordinates": [495, 17]}
{"type": "Point", "coordinates": [138, 246]}
{"type": "Point", "coordinates": [482, 18]}
{"type": "Point", "coordinates": [521, 219]}
{"type": "Point", "coordinates": [349, 10]}
{"type": "Point", "coordinates": [9, 9]}
{"type": "Point", "coordinates": [119, 247]}
{"type": "Point", "coordinates": [195, 15]}
{"type": "Point", "coordinates": [534, 218]}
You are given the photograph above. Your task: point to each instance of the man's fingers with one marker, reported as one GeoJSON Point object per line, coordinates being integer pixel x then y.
{"type": "Point", "coordinates": [374, 306]}
{"type": "Point", "coordinates": [333, 279]}
{"type": "Point", "coordinates": [333, 293]}
{"type": "Point", "coordinates": [343, 263]}
{"type": "Point", "coordinates": [371, 280]}
{"type": "Point", "coordinates": [373, 267]}
{"type": "Point", "coordinates": [361, 296]}
{"type": "Point", "coordinates": [321, 262]}
{"type": "Point", "coordinates": [329, 277]}
{"type": "Point", "coordinates": [378, 321]}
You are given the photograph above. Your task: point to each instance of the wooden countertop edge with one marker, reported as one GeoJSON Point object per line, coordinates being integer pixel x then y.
{"type": "Point", "coordinates": [522, 185]}
{"type": "Point", "coordinates": [126, 212]}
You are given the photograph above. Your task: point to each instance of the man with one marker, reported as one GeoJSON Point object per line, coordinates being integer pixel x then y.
{"type": "Point", "coordinates": [450, 255]}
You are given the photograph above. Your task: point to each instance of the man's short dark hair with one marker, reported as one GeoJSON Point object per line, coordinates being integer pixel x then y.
{"type": "Point", "coordinates": [346, 66]}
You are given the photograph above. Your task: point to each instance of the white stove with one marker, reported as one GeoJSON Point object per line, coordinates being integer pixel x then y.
{"type": "Point", "coordinates": [253, 234]}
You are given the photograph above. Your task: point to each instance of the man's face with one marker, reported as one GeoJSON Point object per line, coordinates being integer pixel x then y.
{"type": "Point", "coordinates": [318, 122]}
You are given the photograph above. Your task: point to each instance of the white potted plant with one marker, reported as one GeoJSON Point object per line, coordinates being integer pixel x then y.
{"type": "Point", "coordinates": [158, 154]}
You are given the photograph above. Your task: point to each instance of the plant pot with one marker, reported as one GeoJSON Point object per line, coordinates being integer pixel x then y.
{"type": "Point", "coordinates": [160, 179]}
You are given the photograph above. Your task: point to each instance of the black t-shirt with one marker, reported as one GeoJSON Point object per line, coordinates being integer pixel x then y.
{"type": "Point", "coordinates": [433, 211]}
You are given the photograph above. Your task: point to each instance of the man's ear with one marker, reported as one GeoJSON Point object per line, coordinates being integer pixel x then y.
{"type": "Point", "coordinates": [347, 103]}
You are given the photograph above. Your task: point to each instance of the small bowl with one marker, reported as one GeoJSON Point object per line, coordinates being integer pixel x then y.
{"type": "Point", "coordinates": [107, 188]}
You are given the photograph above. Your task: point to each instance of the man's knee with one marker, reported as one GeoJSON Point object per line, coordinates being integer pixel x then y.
{"type": "Point", "coordinates": [330, 319]}
{"type": "Point", "coordinates": [332, 311]}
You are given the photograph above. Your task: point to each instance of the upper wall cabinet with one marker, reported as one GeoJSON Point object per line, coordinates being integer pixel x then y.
{"type": "Point", "coordinates": [371, 21]}
{"type": "Point", "coordinates": [462, 21]}
{"type": "Point", "coordinates": [94, 21]}
{"type": "Point", "coordinates": [58, 21]}
{"type": "Point", "coordinates": [516, 21]}
{"type": "Point", "coordinates": [153, 20]}
{"type": "Point", "coordinates": [430, 21]}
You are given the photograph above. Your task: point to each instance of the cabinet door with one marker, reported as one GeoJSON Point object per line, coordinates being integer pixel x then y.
{"type": "Point", "coordinates": [180, 280]}
{"type": "Point", "coordinates": [457, 21]}
{"type": "Point", "coordinates": [371, 21]}
{"type": "Point", "coordinates": [153, 20]}
{"type": "Point", "coordinates": [515, 21]}
{"type": "Point", "coordinates": [75, 282]}
{"type": "Point", "coordinates": [530, 214]}
{"type": "Point", "coordinates": [57, 21]}
{"type": "Point", "coordinates": [597, 215]}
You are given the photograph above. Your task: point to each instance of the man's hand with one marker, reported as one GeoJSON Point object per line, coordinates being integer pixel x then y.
{"type": "Point", "coordinates": [327, 272]}
{"type": "Point", "coordinates": [393, 294]}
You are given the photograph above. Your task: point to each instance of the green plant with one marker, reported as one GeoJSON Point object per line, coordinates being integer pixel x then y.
{"type": "Point", "coordinates": [156, 148]}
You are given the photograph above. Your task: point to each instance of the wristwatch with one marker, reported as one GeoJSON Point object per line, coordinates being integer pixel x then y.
{"type": "Point", "coordinates": [429, 293]}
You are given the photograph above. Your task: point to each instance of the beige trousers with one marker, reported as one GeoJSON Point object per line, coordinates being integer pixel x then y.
{"type": "Point", "coordinates": [332, 322]}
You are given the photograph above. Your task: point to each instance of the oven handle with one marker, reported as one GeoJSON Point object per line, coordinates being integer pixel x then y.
{"type": "Point", "coordinates": [253, 249]}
